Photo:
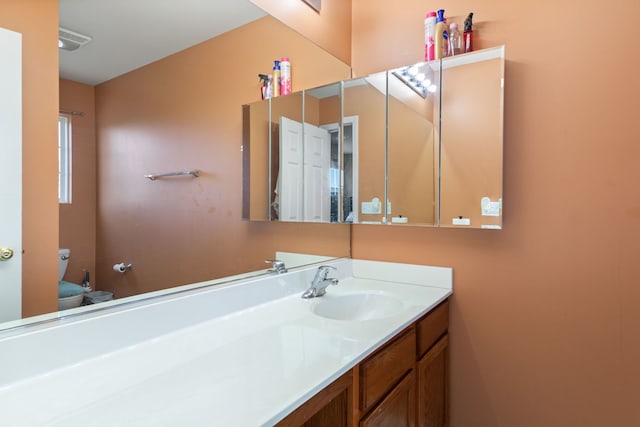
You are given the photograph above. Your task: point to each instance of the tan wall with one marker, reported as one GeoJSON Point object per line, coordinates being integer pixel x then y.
{"type": "Point", "coordinates": [328, 109]}
{"type": "Point", "coordinates": [544, 319]}
{"type": "Point", "coordinates": [185, 112]}
{"type": "Point", "coordinates": [330, 29]}
{"type": "Point", "coordinates": [37, 20]}
{"type": "Point", "coordinates": [78, 219]}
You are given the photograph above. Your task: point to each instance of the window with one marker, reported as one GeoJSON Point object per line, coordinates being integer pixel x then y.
{"type": "Point", "coordinates": [64, 159]}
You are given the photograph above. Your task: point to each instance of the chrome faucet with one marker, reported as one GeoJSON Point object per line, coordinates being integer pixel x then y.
{"type": "Point", "coordinates": [278, 266]}
{"type": "Point", "coordinates": [320, 282]}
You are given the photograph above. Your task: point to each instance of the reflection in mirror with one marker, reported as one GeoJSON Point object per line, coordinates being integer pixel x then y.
{"type": "Point", "coordinates": [322, 154]}
{"type": "Point", "coordinates": [412, 137]}
{"type": "Point", "coordinates": [344, 205]}
{"type": "Point", "coordinates": [420, 145]}
{"type": "Point", "coordinates": [179, 114]}
{"type": "Point", "coordinates": [472, 135]}
{"type": "Point", "coordinates": [184, 230]}
{"type": "Point", "coordinates": [256, 131]}
{"type": "Point", "coordinates": [287, 156]}
{"type": "Point", "coordinates": [364, 107]}
{"type": "Point", "coordinates": [306, 157]}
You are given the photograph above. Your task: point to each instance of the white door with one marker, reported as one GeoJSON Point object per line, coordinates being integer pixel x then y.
{"type": "Point", "coordinates": [290, 176]}
{"type": "Point", "coordinates": [317, 165]}
{"type": "Point", "coordinates": [10, 175]}
{"type": "Point", "coordinates": [303, 182]}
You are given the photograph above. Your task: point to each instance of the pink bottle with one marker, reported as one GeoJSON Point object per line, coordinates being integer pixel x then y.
{"type": "Point", "coordinates": [429, 36]}
{"type": "Point", "coordinates": [285, 76]}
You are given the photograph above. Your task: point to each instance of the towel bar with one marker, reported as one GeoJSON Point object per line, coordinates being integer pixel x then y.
{"type": "Point", "coordinates": [153, 177]}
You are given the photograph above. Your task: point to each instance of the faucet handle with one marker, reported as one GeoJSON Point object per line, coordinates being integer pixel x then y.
{"type": "Point", "coordinates": [324, 270]}
{"type": "Point", "coordinates": [278, 266]}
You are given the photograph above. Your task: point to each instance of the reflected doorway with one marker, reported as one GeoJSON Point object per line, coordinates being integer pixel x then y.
{"type": "Point", "coordinates": [344, 176]}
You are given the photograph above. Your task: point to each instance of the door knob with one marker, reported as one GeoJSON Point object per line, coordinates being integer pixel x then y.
{"type": "Point", "coordinates": [5, 254]}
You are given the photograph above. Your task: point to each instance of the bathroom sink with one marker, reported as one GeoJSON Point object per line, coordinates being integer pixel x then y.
{"type": "Point", "coordinates": [357, 307]}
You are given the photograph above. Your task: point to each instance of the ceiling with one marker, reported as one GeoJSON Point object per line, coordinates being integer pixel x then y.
{"type": "Point", "coordinates": [127, 34]}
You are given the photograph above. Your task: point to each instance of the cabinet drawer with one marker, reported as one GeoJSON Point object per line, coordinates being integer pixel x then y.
{"type": "Point", "coordinates": [431, 327]}
{"type": "Point", "coordinates": [384, 369]}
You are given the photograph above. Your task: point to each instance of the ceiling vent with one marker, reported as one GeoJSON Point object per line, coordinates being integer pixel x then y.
{"type": "Point", "coordinates": [70, 40]}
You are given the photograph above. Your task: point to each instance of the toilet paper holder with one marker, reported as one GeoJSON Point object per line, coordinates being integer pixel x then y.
{"type": "Point", "coordinates": [122, 267]}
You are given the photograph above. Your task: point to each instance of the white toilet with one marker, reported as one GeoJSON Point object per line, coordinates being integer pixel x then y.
{"type": "Point", "coordinates": [69, 294]}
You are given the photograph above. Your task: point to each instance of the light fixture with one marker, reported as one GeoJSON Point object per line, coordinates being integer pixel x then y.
{"type": "Point", "coordinates": [70, 40]}
{"type": "Point", "coordinates": [418, 77]}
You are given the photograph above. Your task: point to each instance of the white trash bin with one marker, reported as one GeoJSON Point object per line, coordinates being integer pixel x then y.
{"type": "Point", "coordinates": [99, 296]}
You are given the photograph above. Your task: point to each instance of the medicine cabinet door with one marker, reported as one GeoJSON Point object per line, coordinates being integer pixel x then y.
{"type": "Point", "coordinates": [364, 121]}
{"type": "Point", "coordinates": [472, 140]}
{"type": "Point", "coordinates": [412, 138]}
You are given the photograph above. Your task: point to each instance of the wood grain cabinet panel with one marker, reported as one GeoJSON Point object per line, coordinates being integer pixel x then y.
{"type": "Point", "coordinates": [397, 409]}
{"type": "Point", "coordinates": [432, 397]}
{"type": "Point", "coordinates": [431, 327]}
{"type": "Point", "coordinates": [331, 407]}
{"type": "Point", "coordinates": [384, 369]}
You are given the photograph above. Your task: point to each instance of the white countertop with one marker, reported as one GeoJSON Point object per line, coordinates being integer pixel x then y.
{"type": "Point", "coordinates": [243, 367]}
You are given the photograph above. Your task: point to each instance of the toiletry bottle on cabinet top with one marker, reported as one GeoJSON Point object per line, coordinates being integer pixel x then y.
{"type": "Point", "coordinates": [285, 76]}
{"type": "Point", "coordinates": [468, 33]}
{"type": "Point", "coordinates": [266, 88]}
{"type": "Point", "coordinates": [429, 36]}
{"type": "Point", "coordinates": [276, 78]}
{"type": "Point", "coordinates": [445, 38]}
{"type": "Point", "coordinates": [439, 36]}
{"type": "Point", "coordinates": [455, 40]}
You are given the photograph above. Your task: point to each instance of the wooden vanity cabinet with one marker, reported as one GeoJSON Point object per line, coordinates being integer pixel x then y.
{"type": "Point", "coordinates": [432, 368]}
{"type": "Point", "coordinates": [331, 407]}
{"type": "Point", "coordinates": [402, 384]}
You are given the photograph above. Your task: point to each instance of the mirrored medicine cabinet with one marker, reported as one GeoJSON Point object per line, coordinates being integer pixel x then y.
{"type": "Point", "coordinates": [417, 145]}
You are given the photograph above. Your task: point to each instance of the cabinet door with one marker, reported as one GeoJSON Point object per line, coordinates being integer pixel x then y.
{"type": "Point", "coordinates": [397, 409]}
{"type": "Point", "coordinates": [331, 407]}
{"type": "Point", "coordinates": [432, 385]}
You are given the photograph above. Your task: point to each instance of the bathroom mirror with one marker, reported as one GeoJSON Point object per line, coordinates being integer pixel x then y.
{"type": "Point", "coordinates": [365, 110]}
{"type": "Point", "coordinates": [313, 167]}
{"type": "Point", "coordinates": [412, 145]}
{"type": "Point", "coordinates": [418, 145]}
{"type": "Point", "coordinates": [471, 140]}
{"type": "Point", "coordinates": [174, 114]}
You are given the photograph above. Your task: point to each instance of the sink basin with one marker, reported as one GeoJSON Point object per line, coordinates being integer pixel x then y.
{"type": "Point", "coordinates": [362, 306]}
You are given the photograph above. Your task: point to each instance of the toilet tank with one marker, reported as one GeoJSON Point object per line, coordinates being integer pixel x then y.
{"type": "Point", "coordinates": [63, 260]}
